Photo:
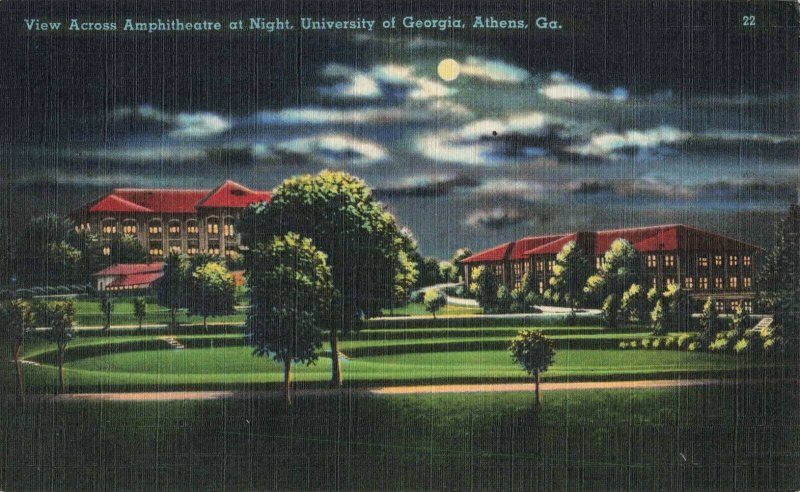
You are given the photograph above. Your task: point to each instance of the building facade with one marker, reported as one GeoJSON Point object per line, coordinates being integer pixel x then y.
{"type": "Point", "coordinates": [167, 220]}
{"type": "Point", "coordinates": [703, 263]}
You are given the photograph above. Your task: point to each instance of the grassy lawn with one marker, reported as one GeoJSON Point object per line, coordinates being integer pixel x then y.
{"type": "Point", "coordinates": [712, 438]}
{"type": "Point", "coordinates": [87, 313]}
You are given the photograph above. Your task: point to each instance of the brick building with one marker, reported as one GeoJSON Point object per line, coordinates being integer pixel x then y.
{"type": "Point", "coordinates": [164, 220]}
{"type": "Point", "coordinates": [703, 263]}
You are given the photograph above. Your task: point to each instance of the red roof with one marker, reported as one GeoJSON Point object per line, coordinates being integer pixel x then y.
{"type": "Point", "coordinates": [227, 195]}
{"type": "Point", "coordinates": [663, 238]}
{"type": "Point", "coordinates": [131, 269]}
{"type": "Point", "coordinates": [136, 280]}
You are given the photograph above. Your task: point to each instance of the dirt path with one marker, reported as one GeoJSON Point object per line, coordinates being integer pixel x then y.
{"type": "Point", "coordinates": [391, 390]}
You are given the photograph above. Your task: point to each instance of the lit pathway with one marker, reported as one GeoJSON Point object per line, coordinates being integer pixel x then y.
{"type": "Point", "coordinates": [393, 390]}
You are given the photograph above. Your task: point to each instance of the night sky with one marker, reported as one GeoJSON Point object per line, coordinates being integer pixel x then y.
{"type": "Point", "coordinates": [634, 113]}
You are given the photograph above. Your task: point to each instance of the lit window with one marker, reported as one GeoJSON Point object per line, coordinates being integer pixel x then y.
{"type": "Point", "coordinates": [702, 283]}
{"type": "Point", "coordinates": [734, 306]}
{"type": "Point", "coordinates": [541, 287]}
{"type": "Point", "coordinates": [517, 269]}
{"type": "Point", "coordinates": [717, 260]}
{"type": "Point", "coordinates": [655, 283]}
{"type": "Point", "coordinates": [106, 250]}
{"type": "Point", "coordinates": [669, 261]}
{"type": "Point", "coordinates": [550, 264]}
{"type": "Point", "coordinates": [109, 228]}
{"type": "Point", "coordinates": [192, 228]}
{"type": "Point", "coordinates": [651, 261]}
{"type": "Point", "coordinates": [688, 282]}
{"type": "Point", "coordinates": [747, 282]}
{"type": "Point", "coordinates": [670, 281]}
{"type": "Point", "coordinates": [212, 228]}
{"type": "Point", "coordinates": [598, 262]}
{"type": "Point", "coordinates": [718, 283]}
{"type": "Point", "coordinates": [732, 282]}
{"type": "Point", "coordinates": [174, 228]}
{"type": "Point", "coordinates": [746, 261]}
{"type": "Point", "coordinates": [154, 229]}
{"type": "Point", "coordinates": [191, 250]}
{"type": "Point", "coordinates": [213, 251]}
{"type": "Point", "coordinates": [733, 260]}
{"type": "Point", "coordinates": [129, 228]}
{"type": "Point", "coordinates": [540, 266]}
{"type": "Point", "coordinates": [156, 251]}
{"type": "Point", "coordinates": [227, 230]}
{"type": "Point", "coordinates": [702, 261]}
{"type": "Point", "coordinates": [720, 306]}
{"type": "Point", "coordinates": [747, 306]}
{"type": "Point", "coordinates": [174, 249]}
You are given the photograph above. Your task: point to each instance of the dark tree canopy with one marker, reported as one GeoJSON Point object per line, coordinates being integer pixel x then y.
{"type": "Point", "coordinates": [779, 280]}
{"type": "Point", "coordinates": [366, 249]}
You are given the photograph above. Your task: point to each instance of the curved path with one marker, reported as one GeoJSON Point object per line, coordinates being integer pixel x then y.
{"type": "Point", "coordinates": [391, 390]}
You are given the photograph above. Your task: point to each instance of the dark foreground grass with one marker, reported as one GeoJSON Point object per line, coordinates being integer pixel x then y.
{"type": "Point", "coordinates": [721, 438]}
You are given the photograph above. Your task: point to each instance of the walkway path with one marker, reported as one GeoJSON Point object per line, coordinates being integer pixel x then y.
{"type": "Point", "coordinates": [393, 390]}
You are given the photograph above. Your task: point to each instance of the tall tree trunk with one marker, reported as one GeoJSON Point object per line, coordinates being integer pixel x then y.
{"type": "Point", "coordinates": [205, 322]}
{"type": "Point", "coordinates": [20, 383]}
{"type": "Point", "coordinates": [61, 368]}
{"type": "Point", "coordinates": [287, 381]}
{"type": "Point", "coordinates": [336, 375]}
{"type": "Point", "coordinates": [140, 324]}
{"type": "Point", "coordinates": [537, 378]}
{"type": "Point", "coordinates": [174, 321]}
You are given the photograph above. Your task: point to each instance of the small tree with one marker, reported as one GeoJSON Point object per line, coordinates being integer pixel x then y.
{"type": "Point", "coordinates": [634, 304]}
{"type": "Point", "coordinates": [503, 302]}
{"type": "Point", "coordinates": [484, 287]}
{"type": "Point", "coordinates": [709, 322]}
{"type": "Point", "coordinates": [740, 322]}
{"type": "Point", "coordinates": [291, 290]}
{"type": "Point", "coordinates": [570, 272]}
{"type": "Point", "coordinates": [106, 308]}
{"type": "Point", "coordinates": [613, 278]}
{"type": "Point", "coordinates": [534, 352]}
{"type": "Point", "coordinates": [214, 291]}
{"type": "Point", "coordinates": [448, 271]}
{"type": "Point", "coordinates": [434, 300]}
{"type": "Point", "coordinates": [16, 321]}
{"type": "Point", "coordinates": [60, 318]}
{"type": "Point", "coordinates": [139, 310]}
{"type": "Point", "coordinates": [170, 288]}
{"type": "Point", "coordinates": [658, 319]}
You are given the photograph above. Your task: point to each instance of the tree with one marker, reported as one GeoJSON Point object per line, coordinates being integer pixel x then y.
{"type": "Point", "coordinates": [106, 308]}
{"type": "Point", "coordinates": [535, 353]}
{"type": "Point", "coordinates": [483, 287]}
{"type": "Point", "coordinates": [214, 292]}
{"type": "Point", "coordinates": [169, 289]}
{"type": "Point", "coordinates": [448, 271]}
{"type": "Point", "coordinates": [60, 317]}
{"type": "Point", "coordinates": [434, 300]}
{"type": "Point", "coordinates": [292, 288]}
{"type": "Point", "coordinates": [367, 250]}
{"type": "Point", "coordinates": [16, 321]}
{"type": "Point", "coordinates": [139, 310]}
{"type": "Point", "coordinates": [740, 321]}
{"type": "Point", "coordinates": [570, 272]}
{"type": "Point", "coordinates": [461, 254]}
{"type": "Point", "coordinates": [612, 278]}
{"type": "Point", "coordinates": [125, 248]}
{"type": "Point", "coordinates": [709, 322]}
{"type": "Point", "coordinates": [779, 280]}
{"type": "Point", "coordinates": [429, 272]}
{"type": "Point", "coordinates": [34, 262]}
{"type": "Point", "coordinates": [658, 319]}
{"type": "Point", "coordinates": [633, 304]}
{"type": "Point", "coordinates": [503, 302]}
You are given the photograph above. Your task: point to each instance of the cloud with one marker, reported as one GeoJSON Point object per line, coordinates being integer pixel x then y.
{"type": "Point", "coordinates": [413, 111]}
{"type": "Point", "coordinates": [331, 149]}
{"type": "Point", "coordinates": [493, 70]}
{"type": "Point", "coordinates": [142, 154]}
{"type": "Point", "coordinates": [184, 125]}
{"type": "Point", "coordinates": [388, 82]}
{"type": "Point", "coordinates": [631, 142]}
{"type": "Point", "coordinates": [561, 87]}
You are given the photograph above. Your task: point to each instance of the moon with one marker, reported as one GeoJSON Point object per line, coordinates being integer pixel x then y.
{"type": "Point", "coordinates": [448, 69]}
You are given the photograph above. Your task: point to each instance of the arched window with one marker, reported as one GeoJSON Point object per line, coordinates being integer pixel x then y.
{"type": "Point", "coordinates": [228, 227]}
{"type": "Point", "coordinates": [129, 226]}
{"type": "Point", "coordinates": [192, 228]}
{"type": "Point", "coordinates": [174, 228]}
{"type": "Point", "coordinates": [109, 226]}
{"type": "Point", "coordinates": [154, 227]}
{"type": "Point", "coordinates": [212, 226]}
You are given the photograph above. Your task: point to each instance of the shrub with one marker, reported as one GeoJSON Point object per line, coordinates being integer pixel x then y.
{"type": "Point", "coordinates": [669, 342]}
{"type": "Point", "coordinates": [772, 345]}
{"type": "Point", "coordinates": [742, 346]}
{"type": "Point", "coordinates": [683, 341]}
{"type": "Point", "coordinates": [693, 347]}
{"type": "Point", "coordinates": [656, 343]}
{"type": "Point", "coordinates": [634, 344]}
{"type": "Point", "coordinates": [624, 345]}
{"type": "Point", "coordinates": [645, 343]}
{"type": "Point", "coordinates": [719, 345]}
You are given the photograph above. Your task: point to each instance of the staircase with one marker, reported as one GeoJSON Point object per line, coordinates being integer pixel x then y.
{"type": "Point", "coordinates": [173, 342]}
